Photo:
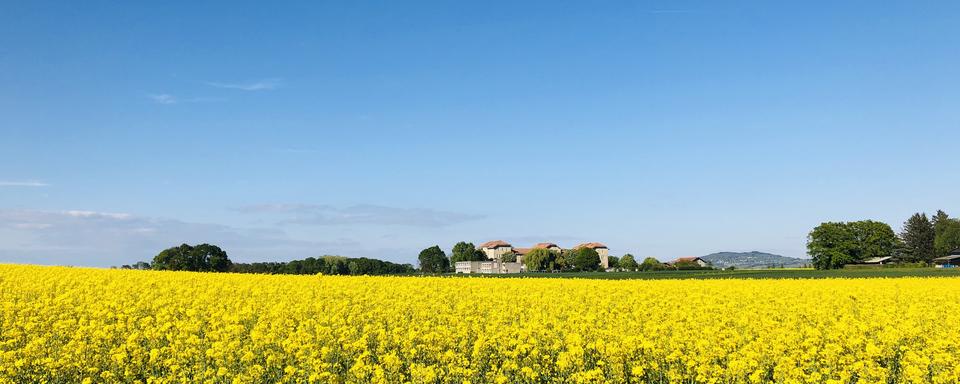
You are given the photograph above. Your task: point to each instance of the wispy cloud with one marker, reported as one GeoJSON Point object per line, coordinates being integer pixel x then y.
{"type": "Point", "coordinates": [259, 85]}
{"type": "Point", "coordinates": [83, 237]}
{"type": "Point", "coordinates": [27, 183]}
{"type": "Point", "coordinates": [165, 98]}
{"type": "Point", "coordinates": [312, 214]}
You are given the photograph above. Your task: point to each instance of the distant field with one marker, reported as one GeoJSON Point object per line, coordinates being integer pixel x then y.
{"type": "Point", "coordinates": [751, 274]}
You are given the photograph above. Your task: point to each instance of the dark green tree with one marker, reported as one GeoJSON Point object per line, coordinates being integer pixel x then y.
{"type": "Point", "coordinates": [202, 258]}
{"type": "Point", "coordinates": [433, 260]}
{"type": "Point", "coordinates": [613, 262]}
{"type": "Point", "coordinates": [939, 219]}
{"type": "Point", "coordinates": [918, 239]}
{"type": "Point", "coordinates": [509, 257]}
{"type": "Point", "coordinates": [628, 263]}
{"type": "Point", "coordinates": [568, 259]}
{"type": "Point", "coordinates": [948, 237]}
{"type": "Point", "coordinates": [586, 259]}
{"type": "Point", "coordinates": [464, 251]}
{"type": "Point", "coordinates": [212, 258]}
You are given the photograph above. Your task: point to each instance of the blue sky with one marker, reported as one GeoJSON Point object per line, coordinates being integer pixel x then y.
{"type": "Point", "coordinates": [283, 131]}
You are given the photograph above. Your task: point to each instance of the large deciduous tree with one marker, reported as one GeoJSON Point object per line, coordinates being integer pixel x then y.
{"type": "Point", "coordinates": [918, 239]}
{"type": "Point", "coordinates": [628, 263]}
{"type": "Point", "coordinates": [833, 245]}
{"type": "Point", "coordinates": [651, 264]}
{"type": "Point", "coordinates": [539, 259]}
{"type": "Point", "coordinates": [948, 238]}
{"type": "Point", "coordinates": [613, 262]}
{"type": "Point", "coordinates": [586, 259]}
{"type": "Point", "coordinates": [433, 260]}
{"type": "Point", "coordinates": [201, 258]}
{"type": "Point", "coordinates": [946, 234]}
{"type": "Point", "coordinates": [464, 251]}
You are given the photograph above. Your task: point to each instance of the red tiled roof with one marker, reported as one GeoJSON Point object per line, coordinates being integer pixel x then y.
{"type": "Point", "coordinates": [546, 245]}
{"type": "Point", "coordinates": [682, 259]}
{"type": "Point", "coordinates": [495, 244]}
{"type": "Point", "coordinates": [591, 245]}
{"type": "Point", "coordinates": [522, 251]}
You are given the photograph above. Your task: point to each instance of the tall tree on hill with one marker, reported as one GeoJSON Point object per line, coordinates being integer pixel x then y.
{"type": "Point", "coordinates": [464, 251]}
{"type": "Point", "coordinates": [433, 260]}
{"type": "Point", "coordinates": [918, 238]}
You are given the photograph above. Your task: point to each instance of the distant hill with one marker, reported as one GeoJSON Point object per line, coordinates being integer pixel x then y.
{"type": "Point", "coordinates": [753, 260]}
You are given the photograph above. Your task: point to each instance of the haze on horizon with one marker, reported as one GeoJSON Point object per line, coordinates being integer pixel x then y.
{"type": "Point", "coordinates": [377, 129]}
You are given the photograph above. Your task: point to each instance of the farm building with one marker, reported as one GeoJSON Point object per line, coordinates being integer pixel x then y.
{"type": "Point", "coordinates": [877, 260]}
{"type": "Point", "coordinates": [697, 260]}
{"type": "Point", "coordinates": [949, 261]}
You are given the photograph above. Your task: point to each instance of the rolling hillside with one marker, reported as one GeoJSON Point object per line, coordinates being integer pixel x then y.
{"type": "Point", "coordinates": [753, 260]}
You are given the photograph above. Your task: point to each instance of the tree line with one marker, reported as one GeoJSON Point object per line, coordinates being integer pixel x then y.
{"type": "Point", "coordinates": [211, 258]}
{"type": "Point", "coordinates": [835, 244]}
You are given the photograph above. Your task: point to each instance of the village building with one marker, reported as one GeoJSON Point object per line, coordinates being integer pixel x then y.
{"type": "Point", "coordinates": [494, 251]}
{"type": "Point", "coordinates": [487, 267]}
{"type": "Point", "coordinates": [696, 260]}
{"type": "Point", "coordinates": [877, 260]}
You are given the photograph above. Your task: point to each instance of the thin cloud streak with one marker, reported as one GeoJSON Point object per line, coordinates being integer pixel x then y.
{"type": "Point", "coordinates": [260, 85]}
{"type": "Point", "coordinates": [163, 98]}
{"type": "Point", "coordinates": [168, 99]}
{"type": "Point", "coordinates": [313, 214]}
{"type": "Point", "coordinates": [28, 183]}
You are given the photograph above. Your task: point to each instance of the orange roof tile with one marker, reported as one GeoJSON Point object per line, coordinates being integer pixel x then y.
{"type": "Point", "coordinates": [591, 245]}
{"type": "Point", "coordinates": [495, 244]}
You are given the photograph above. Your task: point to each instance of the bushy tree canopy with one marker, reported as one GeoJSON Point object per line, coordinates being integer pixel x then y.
{"type": "Point", "coordinates": [586, 259]}
{"type": "Point", "coordinates": [464, 251]}
{"type": "Point", "coordinates": [539, 259]}
{"type": "Point", "coordinates": [613, 262]}
{"type": "Point", "coordinates": [947, 234]}
{"type": "Point", "coordinates": [433, 260]}
{"type": "Point", "coordinates": [628, 263]}
{"type": "Point", "coordinates": [651, 264]}
{"type": "Point", "coordinates": [833, 245]}
{"type": "Point", "coordinates": [201, 258]}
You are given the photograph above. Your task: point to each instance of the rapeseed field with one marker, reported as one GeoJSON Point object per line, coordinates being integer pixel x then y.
{"type": "Point", "coordinates": [67, 325]}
